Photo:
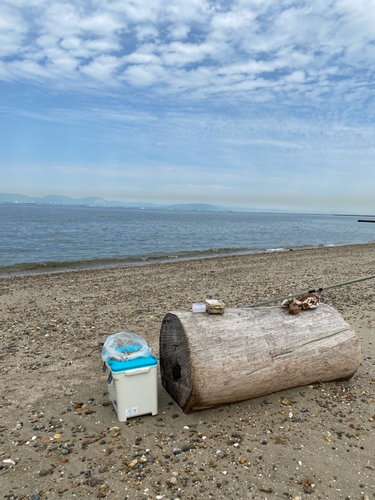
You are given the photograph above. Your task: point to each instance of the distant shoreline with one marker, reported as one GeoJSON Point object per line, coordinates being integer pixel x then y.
{"type": "Point", "coordinates": [97, 202]}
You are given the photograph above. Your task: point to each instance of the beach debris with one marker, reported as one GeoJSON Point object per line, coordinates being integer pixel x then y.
{"type": "Point", "coordinates": [215, 306]}
{"type": "Point", "coordinates": [198, 307]}
{"type": "Point", "coordinates": [124, 346]}
{"type": "Point", "coordinates": [296, 304]}
{"type": "Point", "coordinates": [9, 461]}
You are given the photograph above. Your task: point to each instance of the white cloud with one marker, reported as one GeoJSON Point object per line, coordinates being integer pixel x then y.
{"type": "Point", "coordinates": [229, 23]}
{"type": "Point", "coordinates": [146, 31]}
{"type": "Point", "coordinates": [144, 75]}
{"type": "Point", "coordinates": [13, 30]}
{"type": "Point", "coordinates": [180, 54]}
{"type": "Point", "coordinates": [255, 50]}
{"type": "Point", "coordinates": [102, 68]}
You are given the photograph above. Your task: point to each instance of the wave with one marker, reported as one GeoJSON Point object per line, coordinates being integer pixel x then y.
{"type": "Point", "coordinates": [26, 268]}
{"type": "Point", "coordinates": [68, 265]}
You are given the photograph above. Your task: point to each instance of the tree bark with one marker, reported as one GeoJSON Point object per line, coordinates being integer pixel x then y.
{"type": "Point", "coordinates": [209, 360]}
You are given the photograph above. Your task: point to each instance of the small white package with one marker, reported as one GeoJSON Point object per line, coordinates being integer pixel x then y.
{"type": "Point", "coordinates": [199, 307]}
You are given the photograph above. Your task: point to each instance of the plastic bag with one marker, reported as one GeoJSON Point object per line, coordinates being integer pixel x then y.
{"type": "Point", "coordinates": [124, 346]}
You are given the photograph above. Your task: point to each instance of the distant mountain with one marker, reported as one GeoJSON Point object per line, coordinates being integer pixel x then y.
{"type": "Point", "coordinates": [17, 198]}
{"type": "Point", "coordinates": [53, 199]}
{"type": "Point", "coordinates": [93, 201]}
{"type": "Point", "coordinates": [66, 200]}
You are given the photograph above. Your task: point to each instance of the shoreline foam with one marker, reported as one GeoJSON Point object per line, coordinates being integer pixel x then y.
{"type": "Point", "coordinates": [51, 267]}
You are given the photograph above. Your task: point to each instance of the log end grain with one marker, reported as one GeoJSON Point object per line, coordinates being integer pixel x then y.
{"type": "Point", "coordinates": [175, 366]}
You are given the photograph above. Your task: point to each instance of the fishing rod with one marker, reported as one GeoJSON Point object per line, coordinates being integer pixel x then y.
{"type": "Point", "coordinates": [310, 291]}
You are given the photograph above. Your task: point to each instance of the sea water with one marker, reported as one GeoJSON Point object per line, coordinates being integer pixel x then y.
{"type": "Point", "coordinates": [48, 237]}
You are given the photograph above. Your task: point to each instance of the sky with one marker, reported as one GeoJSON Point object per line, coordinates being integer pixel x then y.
{"type": "Point", "coordinates": [256, 103]}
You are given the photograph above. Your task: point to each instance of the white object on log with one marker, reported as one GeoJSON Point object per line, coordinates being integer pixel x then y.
{"type": "Point", "coordinates": [209, 360]}
{"type": "Point", "coordinates": [198, 307]}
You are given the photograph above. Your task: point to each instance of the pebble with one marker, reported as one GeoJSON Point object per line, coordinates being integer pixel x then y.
{"type": "Point", "coordinates": [188, 447]}
{"type": "Point", "coordinates": [309, 481]}
{"type": "Point", "coordinates": [172, 481]}
{"type": "Point", "coordinates": [44, 473]}
{"type": "Point", "coordinates": [93, 481]}
{"type": "Point", "coordinates": [38, 427]}
{"type": "Point", "coordinates": [19, 426]}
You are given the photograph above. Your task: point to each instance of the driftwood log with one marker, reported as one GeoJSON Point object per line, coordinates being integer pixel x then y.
{"type": "Point", "coordinates": [209, 360]}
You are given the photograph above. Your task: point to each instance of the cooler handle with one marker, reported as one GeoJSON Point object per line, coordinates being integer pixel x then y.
{"type": "Point", "coordinates": [136, 372]}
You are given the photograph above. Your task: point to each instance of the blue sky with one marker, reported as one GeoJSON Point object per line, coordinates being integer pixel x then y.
{"type": "Point", "coordinates": [257, 103]}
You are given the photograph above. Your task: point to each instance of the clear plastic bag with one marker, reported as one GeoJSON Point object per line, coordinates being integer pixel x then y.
{"type": "Point", "coordinates": [124, 346]}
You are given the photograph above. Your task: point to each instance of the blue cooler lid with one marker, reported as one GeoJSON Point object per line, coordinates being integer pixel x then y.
{"type": "Point", "coordinates": [131, 364]}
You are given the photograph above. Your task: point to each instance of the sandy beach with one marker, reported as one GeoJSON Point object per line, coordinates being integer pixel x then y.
{"type": "Point", "coordinates": [60, 438]}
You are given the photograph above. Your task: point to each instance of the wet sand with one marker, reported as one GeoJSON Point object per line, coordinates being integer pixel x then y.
{"type": "Point", "coordinates": [65, 441]}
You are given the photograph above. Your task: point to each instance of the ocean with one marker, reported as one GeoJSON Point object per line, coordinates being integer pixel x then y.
{"type": "Point", "coordinates": [43, 238]}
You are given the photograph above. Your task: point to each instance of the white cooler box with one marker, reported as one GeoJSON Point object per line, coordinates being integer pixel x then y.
{"type": "Point", "coordinates": [132, 386]}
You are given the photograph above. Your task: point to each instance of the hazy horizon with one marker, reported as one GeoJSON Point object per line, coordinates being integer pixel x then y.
{"type": "Point", "coordinates": [95, 201]}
